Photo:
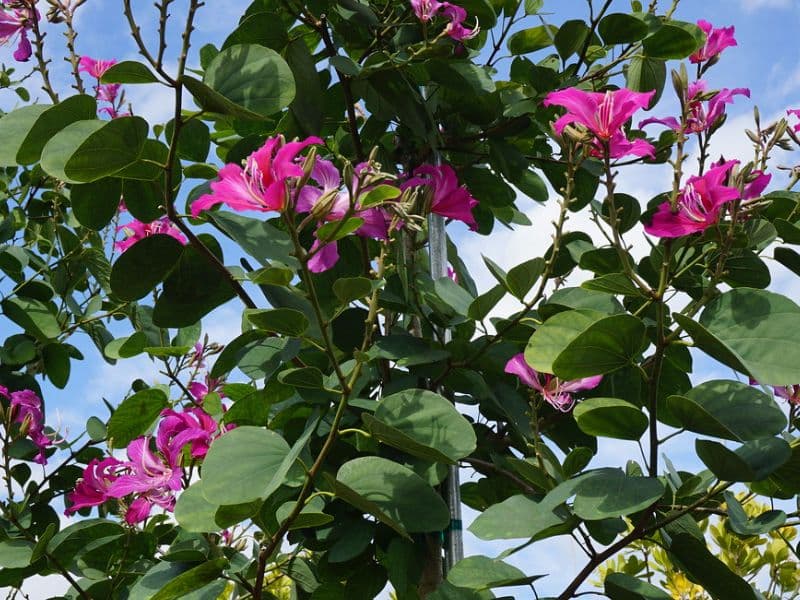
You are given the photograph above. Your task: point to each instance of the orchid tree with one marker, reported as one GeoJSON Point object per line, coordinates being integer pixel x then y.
{"type": "Point", "coordinates": [310, 157]}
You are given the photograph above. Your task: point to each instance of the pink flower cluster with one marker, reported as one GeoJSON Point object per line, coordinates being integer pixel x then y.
{"type": "Point", "coordinates": [104, 92]}
{"type": "Point", "coordinates": [716, 41]}
{"type": "Point", "coordinates": [556, 392]}
{"type": "Point", "coordinates": [603, 114]}
{"type": "Point", "coordinates": [426, 10]}
{"type": "Point", "coordinates": [700, 202]}
{"type": "Point", "coordinates": [25, 409]}
{"type": "Point", "coordinates": [269, 173]}
{"type": "Point", "coordinates": [136, 230]}
{"type": "Point", "coordinates": [14, 24]}
{"type": "Point", "coordinates": [151, 476]}
{"type": "Point", "coordinates": [702, 114]}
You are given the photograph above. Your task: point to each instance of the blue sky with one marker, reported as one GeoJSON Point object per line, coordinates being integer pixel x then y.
{"type": "Point", "coordinates": [766, 61]}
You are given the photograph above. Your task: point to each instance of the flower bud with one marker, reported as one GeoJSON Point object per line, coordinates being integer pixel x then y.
{"type": "Point", "coordinates": [752, 135]}
{"type": "Point", "coordinates": [25, 426]}
{"type": "Point", "coordinates": [757, 117]}
{"type": "Point", "coordinates": [680, 82]}
{"type": "Point", "coordinates": [324, 205]}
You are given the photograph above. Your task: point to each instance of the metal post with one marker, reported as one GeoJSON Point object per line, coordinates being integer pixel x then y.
{"type": "Point", "coordinates": [454, 542]}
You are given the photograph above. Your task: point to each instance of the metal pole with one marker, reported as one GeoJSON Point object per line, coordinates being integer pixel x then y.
{"type": "Point", "coordinates": [454, 542]}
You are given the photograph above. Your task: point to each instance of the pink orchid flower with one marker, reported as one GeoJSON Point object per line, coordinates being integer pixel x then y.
{"type": "Point", "coordinates": [261, 185]}
{"type": "Point", "coordinates": [791, 393]}
{"type": "Point", "coordinates": [92, 488]}
{"type": "Point", "coordinates": [701, 118]}
{"type": "Point", "coordinates": [699, 204]}
{"type": "Point", "coordinates": [26, 408]}
{"type": "Point", "coordinates": [95, 68]}
{"type": "Point", "coordinates": [136, 230]}
{"type": "Point", "coordinates": [455, 29]}
{"type": "Point", "coordinates": [425, 9]}
{"type": "Point", "coordinates": [16, 23]}
{"type": "Point", "coordinates": [450, 200]}
{"type": "Point", "coordinates": [716, 41]}
{"type": "Point", "coordinates": [604, 114]}
{"type": "Point", "coordinates": [558, 393]}
{"type": "Point", "coordinates": [325, 173]}
{"type": "Point", "coordinates": [151, 477]}
{"type": "Point", "coordinates": [192, 425]}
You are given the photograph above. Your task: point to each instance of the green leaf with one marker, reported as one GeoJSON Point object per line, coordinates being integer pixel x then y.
{"type": "Point", "coordinates": [406, 350]}
{"type": "Point", "coordinates": [304, 377]}
{"type": "Point", "coordinates": [253, 77]}
{"type": "Point", "coordinates": [710, 572]}
{"type": "Point", "coordinates": [24, 140]}
{"type": "Point", "coordinates": [740, 523]}
{"type": "Point", "coordinates": [611, 493]}
{"type": "Point", "coordinates": [15, 128]}
{"type": "Point", "coordinates": [581, 343]}
{"type": "Point", "coordinates": [393, 494]}
{"type": "Point", "coordinates": [310, 516]}
{"type": "Point", "coordinates": [259, 239]}
{"type": "Point", "coordinates": [15, 553]}
{"type": "Point", "coordinates": [86, 151]}
{"type": "Point", "coordinates": [612, 283]}
{"type": "Point", "coordinates": [336, 230]}
{"type": "Point", "coordinates": [128, 71]}
{"type": "Point", "coordinates": [789, 259]}
{"type": "Point", "coordinates": [348, 289]}
{"type": "Point", "coordinates": [135, 415]}
{"type": "Point", "coordinates": [193, 144]}
{"type": "Point", "coordinates": [620, 586]}
{"type": "Point", "coordinates": [144, 265]}
{"type": "Point", "coordinates": [214, 102]}
{"type": "Point", "coordinates": [452, 295]}
{"type": "Point", "coordinates": [516, 517]}
{"type": "Point", "coordinates": [622, 28]}
{"type": "Point", "coordinates": [725, 409]}
{"type": "Point", "coordinates": [73, 539]}
{"type": "Point", "coordinates": [96, 429]}
{"type": "Point", "coordinates": [35, 317]}
{"type": "Point", "coordinates": [520, 279]}
{"type": "Point", "coordinates": [263, 27]}
{"type": "Point", "coordinates": [192, 289]}
{"type": "Point", "coordinates": [423, 424]}
{"type": "Point", "coordinates": [379, 194]}
{"type": "Point", "coordinates": [95, 204]}
{"type": "Point", "coordinates": [245, 454]}
{"type": "Point", "coordinates": [285, 321]}
{"type": "Point", "coordinates": [126, 347]}
{"type": "Point", "coordinates": [192, 580]}
{"type": "Point", "coordinates": [532, 39]}
{"type": "Point", "coordinates": [483, 573]}
{"type": "Point", "coordinates": [674, 39]}
{"type": "Point", "coordinates": [570, 37]}
{"type": "Point", "coordinates": [163, 573]}
{"type": "Point", "coordinates": [483, 304]}
{"type": "Point", "coordinates": [753, 461]}
{"type": "Point", "coordinates": [752, 331]}
{"type": "Point", "coordinates": [610, 417]}
{"type": "Point", "coordinates": [645, 74]}
{"type": "Point", "coordinates": [56, 364]}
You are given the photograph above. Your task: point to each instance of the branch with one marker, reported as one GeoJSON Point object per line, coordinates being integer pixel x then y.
{"type": "Point", "coordinates": [38, 44]}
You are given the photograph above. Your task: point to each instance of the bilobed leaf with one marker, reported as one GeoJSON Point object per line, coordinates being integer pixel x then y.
{"type": "Point", "coordinates": [645, 73]}
{"type": "Point", "coordinates": [135, 415]}
{"type": "Point", "coordinates": [214, 102]}
{"type": "Point", "coordinates": [515, 518]}
{"type": "Point", "coordinates": [580, 343]}
{"type": "Point", "coordinates": [53, 120]}
{"type": "Point", "coordinates": [610, 417]}
{"type": "Point", "coordinates": [15, 127]}
{"type": "Point", "coordinates": [482, 573]}
{"type": "Point", "coordinates": [144, 265]}
{"type": "Point", "coordinates": [436, 430]}
{"type": "Point", "coordinates": [95, 204]}
{"type": "Point", "coordinates": [674, 39]}
{"type": "Point", "coordinates": [752, 331]}
{"type": "Point", "coordinates": [253, 77]}
{"type": "Point", "coordinates": [379, 194]}
{"type": "Point", "coordinates": [245, 454]}
{"type": "Point", "coordinates": [611, 493]}
{"type": "Point", "coordinates": [532, 39]}
{"type": "Point", "coordinates": [622, 28]}
{"type": "Point", "coordinates": [128, 71]}
{"type": "Point", "coordinates": [259, 239]}
{"type": "Point", "coordinates": [348, 289]}
{"type": "Point", "coordinates": [740, 523]}
{"type": "Point", "coordinates": [193, 512]}
{"type": "Point", "coordinates": [56, 364]}
{"type": "Point", "coordinates": [192, 580]}
{"type": "Point", "coordinates": [285, 321]}
{"type": "Point", "coordinates": [35, 317]}
{"type": "Point", "coordinates": [725, 409]}
{"type": "Point", "coordinates": [393, 494]}
{"type": "Point", "coordinates": [753, 461]}
{"type": "Point", "coordinates": [15, 553]}
{"type": "Point", "coordinates": [520, 279]}
{"type": "Point", "coordinates": [86, 151]}
{"type": "Point", "coordinates": [620, 586]}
